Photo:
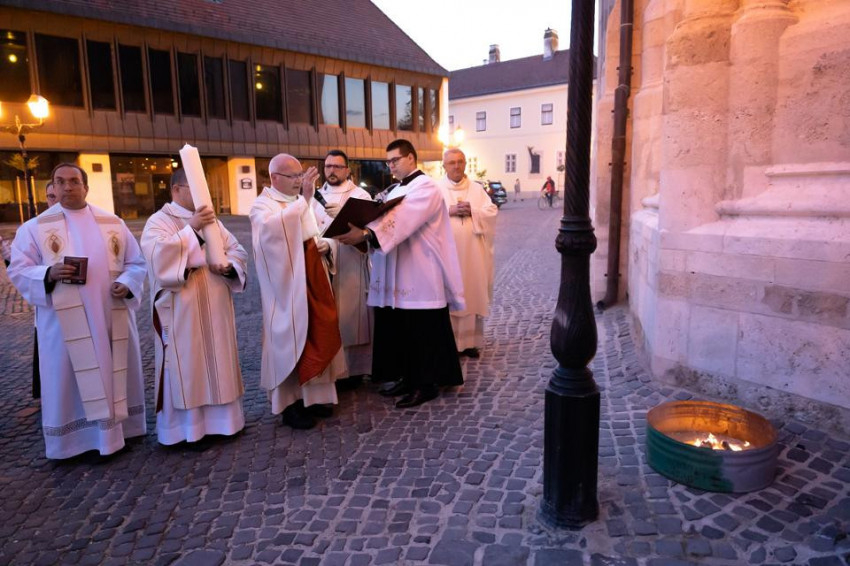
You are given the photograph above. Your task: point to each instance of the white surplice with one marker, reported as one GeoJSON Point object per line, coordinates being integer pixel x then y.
{"type": "Point", "coordinates": [66, 419]}
{"type": "Point", "coordinates": [416, 266]}
{"type": "Point", "coordinates": [198, 384]}
{"type": "Point", "coordinates": [279, 227]}
{"type": "Point", "coordinates": [351, 286]}
{"type": "Point", "coordinates": [474, 238]}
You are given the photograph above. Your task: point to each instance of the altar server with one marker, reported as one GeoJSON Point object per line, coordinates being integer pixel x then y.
{"type": "Point", "coordinates": [198, 384]}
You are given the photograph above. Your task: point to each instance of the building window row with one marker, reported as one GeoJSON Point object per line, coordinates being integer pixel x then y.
{"type": "Point", "coordinates": [168, 82]}
{"type": "Point", "coordinates": [510, 163]}
{"type": "Point", "coordinates": [547, 114]}
{"type": "Point", "coordinates": [516, 117]}
{"type": "Point", "coordinates": [534, 161]}
{"type": "Point", "coordinates": [480, 121]}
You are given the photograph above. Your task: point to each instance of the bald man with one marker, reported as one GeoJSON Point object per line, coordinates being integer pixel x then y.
{"type": "Point", "coordinates": [302, 347]}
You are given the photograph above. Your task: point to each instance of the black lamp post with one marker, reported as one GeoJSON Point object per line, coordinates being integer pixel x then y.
{"type": "Point", "coordinates": [39, 108]}
{"type": "Point", "coordinates": [571, 421]}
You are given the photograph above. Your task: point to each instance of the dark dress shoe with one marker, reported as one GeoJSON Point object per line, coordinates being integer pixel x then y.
{"type": "Point", "coordinates": [416, 398]}
{"type": "Point", "coordinates": [349, 383]}
{"type": "Point", "coordinates": [471, 353]}
{"type": "Point", "coordinates": [321, 411]}
{"type": "Point", "coordinates": [394, 388]}
{"type": "Point", "coordinates": [298, 417]}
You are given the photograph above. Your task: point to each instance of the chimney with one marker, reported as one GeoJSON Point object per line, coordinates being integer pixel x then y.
{"type": "Point", "coordinates": [550, 43]}
{"type": "Point", "coordinates": [495, 55]}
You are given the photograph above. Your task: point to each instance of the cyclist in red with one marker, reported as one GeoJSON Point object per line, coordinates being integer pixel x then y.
{"type": "Point", "coordinates": [549, 189]}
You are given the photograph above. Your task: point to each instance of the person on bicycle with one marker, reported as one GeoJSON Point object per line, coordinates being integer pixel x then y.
{"type": "Point", "coordinates": [548, 190]}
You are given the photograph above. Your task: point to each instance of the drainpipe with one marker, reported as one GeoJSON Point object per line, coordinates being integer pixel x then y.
{"type": "Point", "coordinates": [618, 153]}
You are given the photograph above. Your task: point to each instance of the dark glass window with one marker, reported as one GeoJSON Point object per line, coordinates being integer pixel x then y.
{"type": "Point", "coordinates": [403, 107]}
{"type": "Point", "coordinates": [190, 87]}
{"type": "Point", "coordinates": [435, 109]}
{"type": "Point", "coordinates": [162, 90]}
{"type": "Point", "coordinates": [59, 72]}
{"type": "Point", "coordinates": [267, 93]}
{"type": "Point", "coordinates": [101, 75]}
{"type": "Point", "coordinates": [14, 67]}
{"type": "Point", "coordinates": [214, 79]}
{"type": "Point", "coordinates": [329, 97]}
{"type": "Point", "coordinates": [420, 100]}
{"type": "Point", "coordinates": [132, 79]}
{"type": "Point", "coordinates": [299, 102]}
{"type": "Point", "coordinates": [239, 108]}
{"type": "Point", "coordinates": [355, 103]}
{"type": "Point", "coordinates": [380, 106]}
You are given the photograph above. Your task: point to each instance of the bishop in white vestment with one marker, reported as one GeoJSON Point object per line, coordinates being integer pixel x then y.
{"type": "Point", "coordinates": [350, 269]}
{"type": "Point", "coordinates": [299, 366]}
{"type": "Point", "coordinates": [473, 220]}
{"type": "Point", "coordinates": [92, 389]}
{"type": "Point", "coordinates": [198, 384]}
{"type": "Point", "coordinates": [415, 280]}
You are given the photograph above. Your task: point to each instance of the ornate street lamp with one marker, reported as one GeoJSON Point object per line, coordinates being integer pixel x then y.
{"type": "Point", "coordinates": [571, 420]}
{"type": "Point", "coordinates": [40, 109]}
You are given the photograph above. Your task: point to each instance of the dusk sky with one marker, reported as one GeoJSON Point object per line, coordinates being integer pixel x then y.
{"type": "Point", "coordinates": [458, 33]}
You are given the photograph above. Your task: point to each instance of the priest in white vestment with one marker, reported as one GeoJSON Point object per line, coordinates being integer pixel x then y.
{"type": "Point", "coordinates": [415, 280]}
{"type": "Point", "coordinates": [198, 384]}
{"type": "Point", "coordinates": [302, 348]}
{"type": "Point", "coordinates": [473, 220]}
{"type": "Point", "coordinates": [350, 269]}
{"type": "Point", "coordinates": [92, 389]}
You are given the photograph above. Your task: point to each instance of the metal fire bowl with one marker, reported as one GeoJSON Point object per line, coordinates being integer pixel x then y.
{"type": "Point", "coordinates": [703, 468]}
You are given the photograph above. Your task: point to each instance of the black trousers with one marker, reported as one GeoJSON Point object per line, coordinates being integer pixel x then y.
{"type": "Point", "coordinates": [417, 345]}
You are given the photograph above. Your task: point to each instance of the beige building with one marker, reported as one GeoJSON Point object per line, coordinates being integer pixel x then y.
{"type": "Point", "coordinates": [513, 115]}
{"type": "Point", "coordinates": [736, 217]}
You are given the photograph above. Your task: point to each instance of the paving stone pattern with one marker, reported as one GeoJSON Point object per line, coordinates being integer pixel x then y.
{"type": "Point", "coordinates": [454, 482]}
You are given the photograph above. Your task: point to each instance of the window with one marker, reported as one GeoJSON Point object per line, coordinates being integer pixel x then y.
{"type": "Point", "coordinates": [420, 103]}
{"type": "Point", "coordinates": [329, 100]}
{"type": "Point", "coordinates": [451, 122]}
{"type": "Point", "coordinates": [510, 163]}
{"type": "Point", "coordinates": [533, 161]}
{"type": "Point", "coordinates": [101, 76]}
{"type": "Point", "coordinates": [214, 81]}
{"type": "Point", "coordinates": [355, 103]}
{"type": "Point", "coordinates": [298, 97]}
{"type": "Point", "coordinates": [435, 110]}
{"type": "Point", "coordinates": [59, 72]}
{"type": "Point", "coordinates": [404, 107]}
{"type": "Point", "coordinates": [132, 79]}
{"type": "Point", "coordinates": [560, 163]}
{"type": "Point", "coordinates": [239, 98]}
{"type": "Point", "coordinates": [516, 117]}
{"type": "Point", "coordinates": [267, 101]}
{"type": "Point", "coordinates": [15, 86]}
{"type": "Point", "coordinates": [380, 106]}
{"type": "Point", "coordinates": [159, 72]}
{"type": "Point", "coordinates": [546, 114]}
{"type": "Point", "coordinates": [189, 84]}
{"type": "Point", "coordinates": [480, 121]}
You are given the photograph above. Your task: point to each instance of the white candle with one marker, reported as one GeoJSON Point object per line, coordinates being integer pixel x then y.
{"type": "Point", "coordinates": [201, 196]}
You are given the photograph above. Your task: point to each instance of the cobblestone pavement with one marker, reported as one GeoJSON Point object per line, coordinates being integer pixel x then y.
{"type": "Point", "coordinates": [455, 482]}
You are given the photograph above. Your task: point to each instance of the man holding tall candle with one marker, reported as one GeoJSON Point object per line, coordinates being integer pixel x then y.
{"type": "Point", "coordinates": [198, 383]}
{"type": "Point", "coordinates": [302, 348]}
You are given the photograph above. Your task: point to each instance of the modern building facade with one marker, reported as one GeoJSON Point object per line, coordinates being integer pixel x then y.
{"type": "Point", "coordinates": [513, 115]}
{"type": "Point", "coordinates": [736, 217]}
{"type": "Point", "coordinates": [130, 82]}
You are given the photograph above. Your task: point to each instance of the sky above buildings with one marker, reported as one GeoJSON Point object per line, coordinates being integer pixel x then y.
{"type": "Point", "coordinates": [458, 33]}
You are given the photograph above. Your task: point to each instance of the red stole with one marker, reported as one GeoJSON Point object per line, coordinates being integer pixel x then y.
{"type": "Point", "coordinates": [323, 338]}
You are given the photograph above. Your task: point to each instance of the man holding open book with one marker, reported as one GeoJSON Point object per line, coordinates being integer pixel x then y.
{"type": "Point", "coordinates": [415, 278]}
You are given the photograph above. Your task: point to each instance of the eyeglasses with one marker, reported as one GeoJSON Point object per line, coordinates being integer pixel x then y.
{"type": "Point", "coordinates": [293, 177]}
{"type": "Point", "coordinates": [393, 160]}
{"type": "Point", "coordinates": [60, 182]}
{"type": "Point", "coordinates": [337, 167]}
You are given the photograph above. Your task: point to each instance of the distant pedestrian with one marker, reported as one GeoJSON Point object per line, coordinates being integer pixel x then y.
{"type": "Point", "coordinates": [517, 191]}
{"type": "Point", "coordinates": [549, 190]}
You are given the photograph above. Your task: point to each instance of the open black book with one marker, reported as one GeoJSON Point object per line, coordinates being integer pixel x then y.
{"type": "Point", "coordinates": [359, 212]}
